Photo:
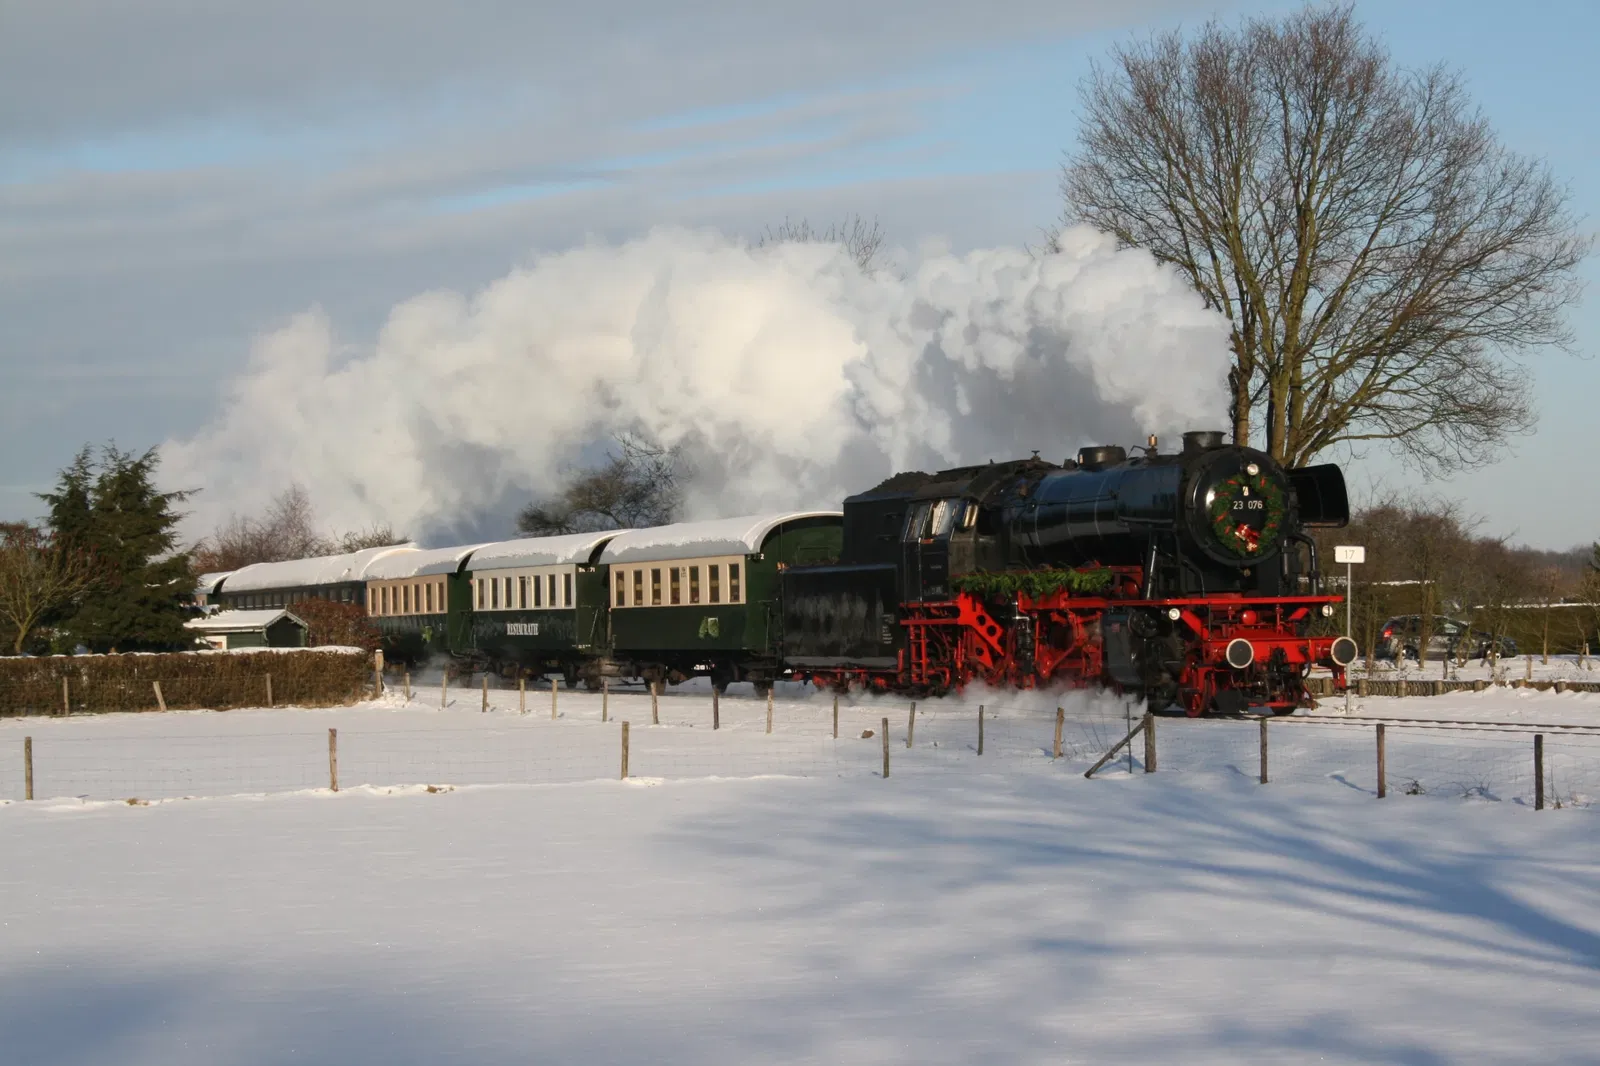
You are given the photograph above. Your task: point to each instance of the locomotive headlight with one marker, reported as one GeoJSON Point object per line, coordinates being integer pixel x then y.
{"type": "Point", "coordinates": [1252, 469]}
{"type": "Point", "coordinates": [1327, 610]}
{"type": "Point", "coordinates": [1174, 614]}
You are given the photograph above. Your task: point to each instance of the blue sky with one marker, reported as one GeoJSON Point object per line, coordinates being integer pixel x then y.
{"type": "Point", "coordinates": [170, 189]}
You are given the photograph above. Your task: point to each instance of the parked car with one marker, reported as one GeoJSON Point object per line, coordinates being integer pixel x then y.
{"type": "Point", "coordinates": [1402, 635]}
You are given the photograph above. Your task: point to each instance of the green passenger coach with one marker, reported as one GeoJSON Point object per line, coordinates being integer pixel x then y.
{"type": "Point", "coordinates": [421, 603]}
{"type": "Point", "coordinates": [539, 604]}
{"type": "Point", "coordinates": [701, 598]}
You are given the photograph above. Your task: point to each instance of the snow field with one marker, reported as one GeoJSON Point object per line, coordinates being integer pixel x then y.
{"type": "Point", "coordinates": [936, 918]}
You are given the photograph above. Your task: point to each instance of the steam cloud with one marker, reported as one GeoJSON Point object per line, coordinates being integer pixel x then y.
{"type": "Point", "coordinates": [790, 378]}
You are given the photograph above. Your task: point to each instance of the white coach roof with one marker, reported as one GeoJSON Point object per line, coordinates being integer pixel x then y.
{"type": "Point", "coordinates": [541, 551]}
{"type": "Point", "coordinates": [423, 563]}
{"type": "Point", "coordinates": [306, 573]}
{"type": "Point", "coordinates": [206, 584]}
{"type": "Point", "coordinates": [689, 540]}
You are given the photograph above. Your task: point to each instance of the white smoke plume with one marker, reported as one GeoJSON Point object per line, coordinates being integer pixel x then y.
{"type": "Point", "coordinates": [790, 378]}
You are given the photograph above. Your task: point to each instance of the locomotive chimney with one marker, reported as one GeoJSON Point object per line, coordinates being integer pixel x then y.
{"type": "Point", "coordinates": [1200, 440]}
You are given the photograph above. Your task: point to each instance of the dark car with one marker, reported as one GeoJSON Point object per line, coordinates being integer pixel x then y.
{"type": "Point", "coordinates": [1401, 637]}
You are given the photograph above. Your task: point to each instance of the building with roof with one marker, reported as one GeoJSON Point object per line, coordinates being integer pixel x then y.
{"type": "Point", "coordinates": [268, 628]}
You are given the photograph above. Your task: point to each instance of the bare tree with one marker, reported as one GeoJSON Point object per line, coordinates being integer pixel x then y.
{"type": "Point", "coordinates": [377, 535]}
{"type": "Point", "coordinates": [287, 530]}
{"type": "Point", "coordinates": [863, 240]}
{"type": "Point", "coordinates": [38, 573]}
{"type": "Point", "coordinates": [638, 485]}
{"type": "Point", "coordinates": [1381, 257]}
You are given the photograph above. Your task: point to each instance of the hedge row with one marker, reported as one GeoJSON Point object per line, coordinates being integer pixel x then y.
{"type": "Point", "coordinates": [304, 677]}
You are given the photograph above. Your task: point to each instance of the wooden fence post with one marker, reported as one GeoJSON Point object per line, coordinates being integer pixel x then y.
{"type": "Point", "coordinates": [1061, 718]}
{"type": "Point", "coordinates": [605, 706]}
{"type": "Point", "coordinates": [407, 676]}
{"type": "Point", "coordinates": [377, 673]}
{"type": "Point", "coordinates": [911, 723]}
{"type": "Point", "coordinates": [1149, 743]}
{"type": "Point", "coordinates": [980, 729]}
{"type": "Point", "coordinates": [555, 684]}
{"type": "Point", "coordinates": [269, 691]}
{"type": "Point", "coordinates": [1383, 771]}
{"type": "Point", "coordinates": [485, 707]}
{"type": "Point", "coordinates": [1264, 750]}
{"type": "Point", "coordinates": [655, 703]}
{"type": "Point", "coordinates": [1538, 771]}
{"type": "Point", "coordinates": [160, 699]}
{"type": "Point", "coordinates": [522, 694]}
{"type": "Point", "coordinates": [835, 717]}
{"type": "Point", "coordinates": [769, 708]}
{"type": "Point", "coordinates": [27, 767]}
{"type": "Point", "coordinates": [886, 749]}
{"type": "Point", "coordinates": [716, 709]}
{"type": "Point", "coordinates": [444, 688]}
{"type": "Point", "coordinates": [1528, 673]}
{"type": "Point", "coordinates": [624, 751]}
{"type": "Point", "coordinates": [1363, 688]}
{"type": "Point", "coordinates": [333, 760]}
{"type": "Point", "coordinates": [66, 696]}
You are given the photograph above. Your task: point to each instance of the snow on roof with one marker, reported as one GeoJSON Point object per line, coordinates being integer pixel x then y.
{"type": "Point", "coordinates": [305, 573]}
{"type": "Point", "coordinates": [419, 563]}
{"type": "Point", "coordinates": [239, 621]}
{"type": "Point", "coordinates": [206, 584]}
{"type": "Point", "coordinates": [687, 540]}
{"type": "Point", "coordinates": [541, 551]}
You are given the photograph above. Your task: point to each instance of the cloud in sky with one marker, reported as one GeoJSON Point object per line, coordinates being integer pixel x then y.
{"type": "Point", "coordinates": [788, 376]}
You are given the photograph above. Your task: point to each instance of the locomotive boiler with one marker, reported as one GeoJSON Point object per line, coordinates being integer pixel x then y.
{"type": "Point", "coordinates": [1185, 577]}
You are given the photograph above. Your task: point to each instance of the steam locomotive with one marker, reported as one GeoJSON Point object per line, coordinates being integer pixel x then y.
{"type": "Point", "coordinates": [1187, 578]}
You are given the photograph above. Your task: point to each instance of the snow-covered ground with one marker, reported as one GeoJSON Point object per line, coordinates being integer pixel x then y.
{"type": "Point", "coordinates": [765, 898]}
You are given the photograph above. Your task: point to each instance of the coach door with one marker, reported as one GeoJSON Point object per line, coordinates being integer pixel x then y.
{"type": "Point", "coordinates": [926, 548]}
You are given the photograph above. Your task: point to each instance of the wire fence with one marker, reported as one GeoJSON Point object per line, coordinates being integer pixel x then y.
{"type": "Point", "coordinates": [459, 735]}
{"type": "Point", "coordinates": [1539, 765]}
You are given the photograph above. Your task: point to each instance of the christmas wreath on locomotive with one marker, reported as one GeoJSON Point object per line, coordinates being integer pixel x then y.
{"type": "Point", "coordinates": [1187, 578]}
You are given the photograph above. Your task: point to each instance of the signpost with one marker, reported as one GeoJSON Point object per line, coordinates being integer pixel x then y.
{"type": "Point", "coordinates": [1349, 555]}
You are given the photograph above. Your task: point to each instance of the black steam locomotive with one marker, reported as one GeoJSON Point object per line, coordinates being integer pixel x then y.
{"type": "Point", "coordinates": [1185, 577]}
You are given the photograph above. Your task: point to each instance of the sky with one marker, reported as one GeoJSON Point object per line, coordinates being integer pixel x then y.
{"type": "Point", "coordinates": [180, 177]}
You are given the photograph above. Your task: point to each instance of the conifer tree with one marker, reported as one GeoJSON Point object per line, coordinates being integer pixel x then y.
{"type": "Point", "coordinates": [111, 510]}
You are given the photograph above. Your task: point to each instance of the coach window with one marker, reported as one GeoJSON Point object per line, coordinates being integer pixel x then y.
{"type": "Point", "coordinates": [372, 601]}
{"type": "Point", "coordinates": [522, 591]}
{"type": "Point", "coordinates": [655, 586]}
{"type": "Point", "coordinates": [428, 595]}
{"type": "Point", "coordinates": [416, 598]}
{"type": "Point", "coordinates": [638, 588]}
{"type": "Point", "coordinates": [694, 584]}
{"type": "Point", "coordinates": [714, 576]}
{"type": "Point", "coordinates": [622, 589]}
{"type": "Point", "coordinates": [405, 599]}
{"type": "Point", "coordinates": [733, 582]}
{"type": "Point", "coordinates": [566, 590]}
{"type": "Point", "coordinates": [386, 599]}
{"type": "Point", "coordinates": [674, 585]}
{"type": "Point", "coordinates": [494, 594]}
{"type": "Point", "coordinates": [477, 584]}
